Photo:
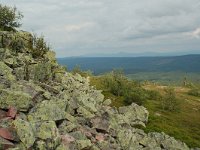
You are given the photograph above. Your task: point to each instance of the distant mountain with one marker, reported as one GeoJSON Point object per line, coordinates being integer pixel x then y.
{"type": "Point", "coordinates": [142, 54]}
{"type": "Point", "coordinates": [185, 63]}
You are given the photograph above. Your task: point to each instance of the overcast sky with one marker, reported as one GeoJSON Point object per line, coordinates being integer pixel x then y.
{"type": "Point", "coordinates": [78, 27]}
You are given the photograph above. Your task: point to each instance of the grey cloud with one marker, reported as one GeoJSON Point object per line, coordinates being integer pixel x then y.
{"type": "Point", "coordinates": [76, 27]}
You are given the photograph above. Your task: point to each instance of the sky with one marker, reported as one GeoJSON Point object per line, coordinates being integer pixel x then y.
{"type": "Point", "coordinates": [81, 27]}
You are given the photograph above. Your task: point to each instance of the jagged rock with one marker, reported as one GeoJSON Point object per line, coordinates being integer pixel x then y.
{"type": "Point", "coordinates": [25, 132]}
{"type": "Point", "coordinates": [40, 72]}
{"type": "Point", "coordinates": [167, 142]}
{"type": "Point", "coordinates": [101, 123]}
{"type": "Point", "coordinates": [83, 144]}
{"type": "Point", "coordinates": [5, 144]}
{"type": "Point", "coordinates": [6, 71]}
{"type": "Point", "coordinates": [49, 110]}
{"type": "Point", "coordinates": [46, 130]}
{"type": "Point", "coordinates": [107, 102]}
{"type": "Point", "coordinates": [20, 100]}
{"type": "Point", "coordinates": [133, 115]}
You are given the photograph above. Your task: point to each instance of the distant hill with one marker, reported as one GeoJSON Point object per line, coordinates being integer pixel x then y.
{"type": "Point", "coordinates": [141, 54]}
{"type": "Point", "coordinates": [185, 63]}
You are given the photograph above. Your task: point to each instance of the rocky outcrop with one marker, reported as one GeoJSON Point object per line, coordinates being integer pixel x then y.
{"type": "Point", "coordinates": [43, 107]}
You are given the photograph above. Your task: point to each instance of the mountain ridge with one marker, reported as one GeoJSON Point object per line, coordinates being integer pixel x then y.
{"type": "Point", "coordinates": [185, 63]}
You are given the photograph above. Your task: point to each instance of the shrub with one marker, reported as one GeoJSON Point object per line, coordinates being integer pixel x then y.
{"type": "Point", "coordinates": [40, 47]}
{"type": "Point", "coordinates": [169, 101]}
{"type": "Point", "coordinates": [153, 95]}
{"type": "Point", "coordinates": [194, 92]}
{"type": "Point", "coordinates": [9, 18]}
{"type": "Point", "coordinates": [136, 95]}
{"type": "Point", "coordinates": [77, 69]}
{"type": "Point", "coordinates": [115, 82]}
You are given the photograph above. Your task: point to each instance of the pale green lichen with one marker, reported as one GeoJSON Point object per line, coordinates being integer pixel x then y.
{"type": "Point", "coordinates": [6, 71]}
{"type": "Point", "coordinates": [49, 110]}
{"type": "Point", "coordinates": [20, 100]}
{"type": "Point", "coordinates": [25, 132]}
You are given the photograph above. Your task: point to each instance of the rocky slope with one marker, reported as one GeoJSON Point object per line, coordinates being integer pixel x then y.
{"type": "Point", "coordinates": [42, 107]}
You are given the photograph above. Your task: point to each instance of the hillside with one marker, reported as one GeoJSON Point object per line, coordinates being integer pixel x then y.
{"type": "Point", "coordinates": [131, 65]}
{"type": "Point", "coordinates": [183, 122]}
{"type": "Point", "coordinates": [43, 107]}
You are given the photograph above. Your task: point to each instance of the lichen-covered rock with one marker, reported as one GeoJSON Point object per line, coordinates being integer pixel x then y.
{"type": "Point", "coordinates": [6, 71]}
{"type": "Point", "coordinates": [49, 110]}
{"type": "Point", "coordinates": [20, 100]}
{"type": "Point", "coordinates": [133, 115]}
{"type": "Point", "coordinates": [83, 144]}
{"type": "Point", "coordinates": [167, 142]}
{"type": "Point", "coordinates": [46, 130]}
{"type": "Point", "coordinates": [40, 72]}
{"type": "Point", "coordinates": [25, 132]}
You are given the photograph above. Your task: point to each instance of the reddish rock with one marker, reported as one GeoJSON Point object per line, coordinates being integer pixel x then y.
{"type": "Point", "coordinates": [2, 114]}
{"type": "Point", "coordinates": [86, 132]}
{"type": "Point", "coordinates": [100, 137]}
{"type": "Point", "coordinates": [101, 124]}
{"type": "Point", "coordinates": [67, 139]}
{"type": "Point", "coordinates": [12, 111]}
{"type": "Point", "coordinates": [6, 134]}
{"type": "Point", "coordinates": [5, 144]}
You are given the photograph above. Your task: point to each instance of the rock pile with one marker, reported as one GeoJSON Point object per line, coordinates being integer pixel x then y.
{"type": "Point", "coordinates": [43, 107]}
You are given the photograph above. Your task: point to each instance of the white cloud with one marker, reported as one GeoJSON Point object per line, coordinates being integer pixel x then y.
{"type": "Point", "coordinates": [196, 33]}
{"type": "Point", "coordinates": [77, 27]}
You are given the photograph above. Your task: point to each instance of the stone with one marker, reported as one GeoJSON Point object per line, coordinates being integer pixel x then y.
{"type": "Point", "coordinates": [52, 110]}
{"type": "Point", "coordinates": [6, 71]}
{"type": "Point", "coordinates": [83, 144]}
{"type": "Point", "coordinates": [12, 112]}
{"type": "Point", "coordinates": [107, 102]}
{"type": "Point", "coordinates": [20, 100]}
{"type": "Point", "coordinates": [46, 130]}
{"type": "Point", "coordinates": [5, 144]}
{"type": "Point", "coordinates": [133, 115]}
{"type": "Point", "coordinates": [167, 142]}
{"type": "Point", "coordinates": [100, 137]}
{"type": "Point", "coordinates": [85, 113]}
{"type": "Point", "coordinates": [67, 139]}
{"type": "Point", "coordinates": [101, 124]}
{"type": "Point", "coordinates": [25, 132]}
{"type": "Point", "coordinates": [6, 134]}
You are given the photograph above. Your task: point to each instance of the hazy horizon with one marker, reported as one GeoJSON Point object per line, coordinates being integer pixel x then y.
{"type": "Point", "coordinates": [76, 28]}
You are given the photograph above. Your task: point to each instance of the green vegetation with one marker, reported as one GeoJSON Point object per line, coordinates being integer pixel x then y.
{"type": "Point", "coordinates": [167, 78]}
{"type": "Point", "coordinates": [172, 109]}
{"type": "Point", "coordinates": [40, 46]}
{"type": "Point", "coordinates": [194, 92]}
{"type": "Point", "coordinates": [169, 100]}
{"type": "Point", "coordinates": [118, 85]}
{"type": "Point", "coordinates": [9, 18]}
{"type": "Point", "coordinates": [77, 69]}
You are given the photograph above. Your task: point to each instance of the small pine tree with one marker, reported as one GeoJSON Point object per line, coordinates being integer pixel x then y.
{"type": "Point", "coordinates": [9, 18]}
{"type": "Point", "coordinates": [40, 46]}
{"type": "Point", "coordinates": [169, 101]}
